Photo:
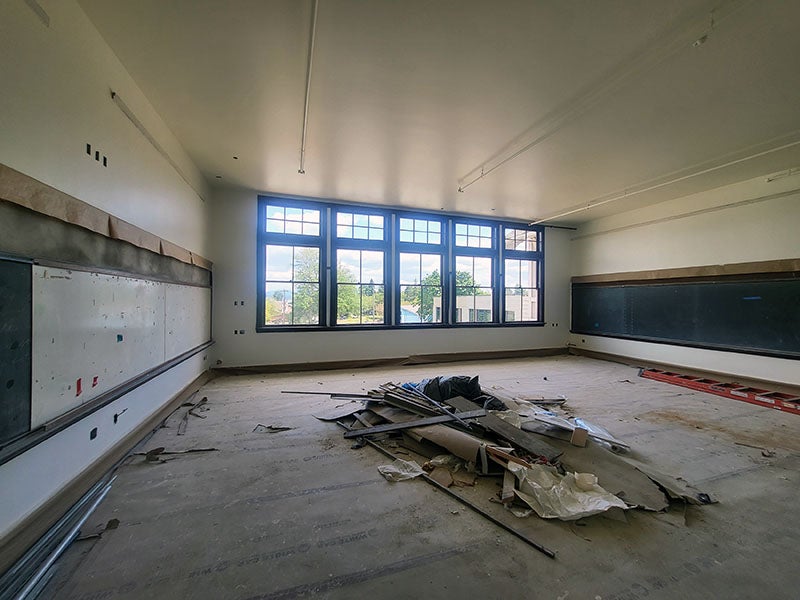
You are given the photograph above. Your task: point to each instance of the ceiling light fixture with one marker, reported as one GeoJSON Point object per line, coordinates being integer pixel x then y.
{"type": "Point", "coordinates": [311, 38]}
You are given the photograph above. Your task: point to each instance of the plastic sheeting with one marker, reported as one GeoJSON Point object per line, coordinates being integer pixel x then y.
{"type": "Point", "coordinates": [568, 497]}
{"type": "Point", "coordinates": [401, 470]}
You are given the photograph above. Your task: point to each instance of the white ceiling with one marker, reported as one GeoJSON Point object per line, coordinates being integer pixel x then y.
{"type": "Point", "coordinates": [607, 100]}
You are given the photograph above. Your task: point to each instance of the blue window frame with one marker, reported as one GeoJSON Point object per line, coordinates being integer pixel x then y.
{"type": "Point", "coordinates": [420, 297]}
{"type": "Point", "coordinates": [361, 250]}
{"type": "Point", "coordinates": [331, 266]}
{"type": "Point", "coordinates": [522, 271]}
{"type": "Point", "coordinates": [291, 255]}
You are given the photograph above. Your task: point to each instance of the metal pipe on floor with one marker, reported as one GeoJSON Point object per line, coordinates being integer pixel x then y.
{"type": "Point", "coordinates": [59, 550]}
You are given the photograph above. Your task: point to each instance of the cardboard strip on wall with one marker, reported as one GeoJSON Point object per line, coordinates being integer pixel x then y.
{"type": "Point", "coordinates": [25, 191]}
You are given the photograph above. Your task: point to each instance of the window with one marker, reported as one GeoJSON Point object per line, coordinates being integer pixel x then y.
{"type": "Point", "coordinates": [335, 266]}
{"type": "Point", "coordinates": [292, 286]}
{"type": "Point", "coordinates": [420, 250]}
{"type": "Point", "coordinates": [360, 282]}
{"type": "Point", "coordinates": [290, 262]}
{"type": "Point", "coordinates": [474, 288]}
{"type": "Point", "coordinates": [359, 287]}
{"type": "Point", "coordinates": [420, 288]}
{"type": "Point", "coordinates": [521, 275]}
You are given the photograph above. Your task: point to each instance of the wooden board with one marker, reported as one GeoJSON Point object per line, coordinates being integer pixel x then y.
{"type": "Point", "coordinates": [416, 423]}
{"type": "Point", "coordinates": [530, 442]}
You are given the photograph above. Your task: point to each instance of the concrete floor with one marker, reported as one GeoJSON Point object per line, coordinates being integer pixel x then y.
{"type": "Point", "coordinates": [300, 514]}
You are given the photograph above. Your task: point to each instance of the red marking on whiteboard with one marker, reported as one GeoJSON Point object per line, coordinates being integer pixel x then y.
{"type": "Point", "coordinates": [94, 381]}
{"type": "Point", "coordinates": [78, 389]}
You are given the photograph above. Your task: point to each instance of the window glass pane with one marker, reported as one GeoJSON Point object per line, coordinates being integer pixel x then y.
{"type": "Point", "coordinates": [486, 242]}
{"type": "Point", "coordinates": [310, 216]}
{"type": "Point", "coordinates": [410, 304]}
{"type": "Point", "coordinates": [277, 304]}
{"type": "Point", "coordinates": [305, 304]}
{"type": "Point", "coordinates": [294, 227]}
{"type": "Point", "coordinates": [430, 269]}
{"type": "Point", "coordinates": [461, 229]}
{"type": "Point", "coordinates": [294, 214]}
{"type": "Point", "coordinates": [521, 304]}
{"type": "Point", "coordinates": [483, 271]}
{"type": "Point", "coordinates": [473, 230]}
{"type": "Point", "coordinates": [512, 273]}
{"type": "Point", "coordinates": [434, 238]}
{"type": "Point", "coordinates": [344, 231]}
{"type": "Point", "coordinates": [431, 309]}
{"type": "Point", "coordinates": [473, 305]}
{"type": "Point", "coordinates": [344, 218]}
{"type": "Point", "coordinates": [409, 268]}
{"type": "Point", "coordinates": [434, 226]}
{"type": "Point", "coordinates": [362, 220]}
{"type": "Point", "coordinates": [375, 234]}
{"type": "Point", "coordinates": [461, 240]}
{"type": "Point", "coordinates": [306, 264]}
{"type": "Point", "coordinates": [420, 237]}
{"type": "Point", "coordinates": [274, 212]}
{"type": "Point", "coordinates": [311, 229]}
{"type": "Point", "coordinates": [360, 233]}
{"type": "Point", "coordinates": [372, 303]}
{"type": "Point", "coordinates": [279, 263]}
{"type": "Point", "coordinates": [420, 225]}
{"type": "Point", "coordinates": [376, 221]}
{"type": "Point", "coordinates": [348, 303]}
{"type": "Point", "coordinates": [486, 232]}
{"type": "Point", "coordinates": [406, 236]}
{"type": "Point", "coordinates": [371, 267]}
{"type": "Point", "coordinates": [274, 226]}
{"type": "Point", "coordinates": [406, 224]}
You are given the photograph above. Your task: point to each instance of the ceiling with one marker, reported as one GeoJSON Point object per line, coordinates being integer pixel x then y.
{"type": "Point", "coordinates": [606, 104]}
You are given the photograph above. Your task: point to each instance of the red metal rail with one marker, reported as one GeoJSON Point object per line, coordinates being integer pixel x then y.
{"type": "Point", "coordinates": [734, 391]}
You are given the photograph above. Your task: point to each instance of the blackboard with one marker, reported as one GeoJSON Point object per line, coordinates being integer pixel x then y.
{"type": "Point", "coordinates": [760, 316]}
{"type": "Point", "coordinates": [15, 349]}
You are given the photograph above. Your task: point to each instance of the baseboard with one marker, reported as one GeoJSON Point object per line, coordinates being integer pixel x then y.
{"type": "Point", "coordinates": [39, 522]}
{"type": "Point", "coordinates": [417, 359]}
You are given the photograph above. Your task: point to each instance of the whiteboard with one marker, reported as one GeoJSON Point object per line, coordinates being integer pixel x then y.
{"type": "Point", "coordinates": [94, 331]}
{"type": "Point", "coordinates": [188, 318]}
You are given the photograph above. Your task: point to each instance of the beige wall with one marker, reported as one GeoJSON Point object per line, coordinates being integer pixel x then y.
{"type": "Point", "coordinates": [56, 97]}
{"type": "Point", "coordinates": [754, 220]}
{"type": "Point", "coordinates": [233, 250]}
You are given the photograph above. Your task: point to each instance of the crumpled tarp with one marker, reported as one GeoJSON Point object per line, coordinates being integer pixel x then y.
{"type": "Point", "coordinates": [401, 470]}
{"type": "Point", "coordinates": [568, 497]}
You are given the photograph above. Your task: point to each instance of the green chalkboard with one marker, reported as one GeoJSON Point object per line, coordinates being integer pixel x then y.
{"type": "Point", "coordinates": [759, 316]}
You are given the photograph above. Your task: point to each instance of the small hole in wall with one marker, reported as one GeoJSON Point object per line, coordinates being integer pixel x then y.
{"type": "Point", "coordinates": [89, 149]}
{"type": "Point", "coordinates": [97, 155]}
{"type": "Point", "coordinates": [93, 433]}
{"type": "Point", "coordinates": [105, 161]}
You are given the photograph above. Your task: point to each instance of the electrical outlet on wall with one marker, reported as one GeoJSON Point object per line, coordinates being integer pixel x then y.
{"type": "Point", "coordinates": [100, 158]}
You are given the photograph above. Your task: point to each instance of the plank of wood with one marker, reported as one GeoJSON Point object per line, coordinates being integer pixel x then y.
{"type": "Point", "coordinates": [416, 423]}
{"type": "Point", "coordinates": [529, 442]}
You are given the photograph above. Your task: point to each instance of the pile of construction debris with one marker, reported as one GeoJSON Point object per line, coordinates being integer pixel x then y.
{"type": "Point", "coordinates": [549, 465]}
